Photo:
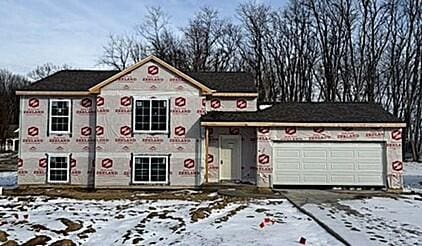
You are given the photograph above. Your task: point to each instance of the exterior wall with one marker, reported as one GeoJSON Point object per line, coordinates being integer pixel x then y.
{"type": "Point", "coordinates": [391, 138]}
{"type": "Point", "coordinates": [37, 142]}
{"type": "Point", "coordinates": [117, 144]}
{"type": "Point", "coordinates": [231, 104]}
{"type": "Point", "coordinates": [248, 152]}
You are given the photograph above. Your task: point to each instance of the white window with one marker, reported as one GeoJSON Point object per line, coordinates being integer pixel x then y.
{"type": "Point", "coordinates": [151, 115]}
{"type": "Point", "coordinates": [59, 118]}
{"type": "Point", "coordinates": [150, 170]}
{"type": "Point", "coordinates": [58, 168]}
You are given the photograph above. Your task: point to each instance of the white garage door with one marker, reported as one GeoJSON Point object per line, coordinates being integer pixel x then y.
{"type": "Point", "coordinates": [310, 163]}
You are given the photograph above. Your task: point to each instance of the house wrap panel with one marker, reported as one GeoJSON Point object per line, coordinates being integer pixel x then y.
{"type": "Point", "coordinates": [390, 137]}
{"type": "Point", "coordinates": [37, 142]}
{"type": "Point", "coordinates": [239, 104]}
{"type": "Point", "coordinates": [114, 129]}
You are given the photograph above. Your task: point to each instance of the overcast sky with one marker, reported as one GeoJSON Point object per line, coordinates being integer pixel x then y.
{"type": "Point", "coordinates": [34, 32]}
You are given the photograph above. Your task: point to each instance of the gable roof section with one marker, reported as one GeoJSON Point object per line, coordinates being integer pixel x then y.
{"type": "Point", "coordinates": [226, 81]}
{"type": "Point", "coordinates": [70, 80]}
{"type": "Point", "coordinates": [318, 114]}
{"type": "Point", "coordinates": [204, 88]}
{"type": "Point", "coordinates": [85, 82]}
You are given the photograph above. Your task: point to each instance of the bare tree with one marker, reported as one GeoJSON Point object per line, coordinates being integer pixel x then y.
{"type": "Point", "coordinates": [45, 70]}
{"type": "Point", "coordinates": [9, 105]}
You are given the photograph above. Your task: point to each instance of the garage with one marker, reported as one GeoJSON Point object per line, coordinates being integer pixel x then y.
{"type": "Point", "coordinates": [329, 163]}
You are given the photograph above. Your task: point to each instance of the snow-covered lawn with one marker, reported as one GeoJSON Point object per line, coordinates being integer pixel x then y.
{"type": "Point", "coordinates": [413, 176]}
{"type": "Point", "coordinates": [163, 222]}
{"type": "Point", "coordinates": [374, 221]}
{"type": "Point", "coordinates": [8, 179]}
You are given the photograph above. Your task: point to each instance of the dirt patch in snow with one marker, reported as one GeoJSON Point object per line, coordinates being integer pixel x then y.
{"type": "Point", "coordinates": [113, 194]}
{"type": "Point", "coordinates": [37, 240]}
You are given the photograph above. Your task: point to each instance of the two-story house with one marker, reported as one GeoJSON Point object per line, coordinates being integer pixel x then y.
{"type": "Point", "coordinates": [154, 125]}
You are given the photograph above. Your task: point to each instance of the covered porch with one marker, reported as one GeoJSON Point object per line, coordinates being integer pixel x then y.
{"type": "Point", "coordinates": [230, 154]}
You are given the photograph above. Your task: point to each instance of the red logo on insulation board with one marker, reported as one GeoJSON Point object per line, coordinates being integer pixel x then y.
{"type": "Point", "coordinates": [125, 101]}
{"type": "Point", "coordinates": [33, 131]}
{"type": "Point", "coordinates": [318, 129]}
{"type": "Point", "coordinates": [125, 131]}
{"type": "Point", "coordinates": [33, 102]}
{"type": "Point", "coordinates": [396, 134]}
{"type": "Point", "coordinates": [215, 103]}
{"type": "Point", "coordinates": [397, 166]}
{"type": "Point", "coordinates": [179, 131]}
{"type": "Point", "coordinates": [99, 130]}
{"type": "Point", "coordinates": [290, 130]}
{"type": "Point", "coordinates": [107, 163]}
{"type": "Point", "coordinates": [42, 163]}
{"type": "Point", "coordinates": [189, 163]}
{"type": "Point", "coordinates": [86, 131]}
{"type": "Point", "coordinates": [20, 163]}
{"type": "Point", "coordinates": [210, 158]}
{"type": "Point", "coordinates": [263, 159]}
{"type": "Point", "coordinates": [72, 163]}
{"type": "Point", "coordinates": [180, 101]}
{"type": "Point", "coordinates": [86, 102]}
{"type": "Point", "coordinates": [241, 103]}
{"type": "Point", "coordinates": [263, 130]}
{"type": "Point", "coordinates": [100, 101]}
{"type": "Point", "coordinates": [234, 130]}
{"type": "Point", "coordinates": [152, 70]}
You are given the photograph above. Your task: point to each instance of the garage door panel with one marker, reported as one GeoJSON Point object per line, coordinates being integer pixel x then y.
{"type": "Point", "coordinates": [306, 153]}
{"type": "Point", "coordinates": [287, 153]}
{"type": "Point", "coordinates": [336, 166]}
{"type": "Point", "coordinates": [341, 154]}
{"type": "Point", "coordinates": [291, 165]}
{"type": "Point", "coordinates": [315, 179]}
{"type": "Point", "coordinates": [310, 163]}
{"type": "Point", "coordinates": [314, 165]}
{"type": "Point", "coordinates": [342, 179]}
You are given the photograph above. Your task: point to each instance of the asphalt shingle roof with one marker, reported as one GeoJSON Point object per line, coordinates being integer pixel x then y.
{"type": "Point", "coordinates": [309, 112]}
{"type": "Point", "coordinates": [226, 81]}
{"type": "Point", "coordinates": [70, 80]}
{"type": "Point", "coordinates": [82, 80]}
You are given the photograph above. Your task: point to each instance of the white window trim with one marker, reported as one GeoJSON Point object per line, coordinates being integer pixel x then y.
{"type": "Point", "coordinates": [150, 120]}
{"type": "Point", "coordinates": [149, 174]}
{"type": "Point", "coordinates": [52, 155]}
{"type": "Point", "coordinates": [50, 116]}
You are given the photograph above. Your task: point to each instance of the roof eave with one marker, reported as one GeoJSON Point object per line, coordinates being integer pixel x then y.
{"type": "Point", "coordinates": [53, 93]}
{"type": "Point", "coordinates": [305, 124]}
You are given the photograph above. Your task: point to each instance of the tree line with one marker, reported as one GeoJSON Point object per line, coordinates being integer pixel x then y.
{"type": "Point", "coordinates": [309, 50]}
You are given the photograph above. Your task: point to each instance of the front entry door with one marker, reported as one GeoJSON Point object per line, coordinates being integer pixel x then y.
{"type": "Point", "coordinates": [230, 158]}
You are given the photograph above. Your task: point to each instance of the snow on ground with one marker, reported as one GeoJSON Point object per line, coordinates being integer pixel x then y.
{"type": "Point", "coordinates": [8, 179]}
{"type": "Point", "coordinates": [374, 221]}
{"type": "Point", "coordinates": [163, 222]}
{"type": "Point", "coordinates": [413, 176]}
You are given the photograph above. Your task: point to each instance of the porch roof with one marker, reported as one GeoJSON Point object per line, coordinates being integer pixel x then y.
{"type": "Point", "coordinates": [309, 114]}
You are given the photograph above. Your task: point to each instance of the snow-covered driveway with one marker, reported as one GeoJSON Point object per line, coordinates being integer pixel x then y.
{"type": "Point", "coordinates": [163, 222]}
{"type": "Point", "coordinates": [374, 221]}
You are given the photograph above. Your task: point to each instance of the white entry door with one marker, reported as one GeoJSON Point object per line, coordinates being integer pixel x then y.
{"type": "Point", "coordinates": [335, 163]}
{"type": "Point", "coordinates": [230, 158]}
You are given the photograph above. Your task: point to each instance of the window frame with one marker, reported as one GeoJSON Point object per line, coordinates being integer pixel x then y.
{"type": "Point", "coordinates": [166, 157]}
{"type": "Point", "coordinates": [53, 155]}
{"type": "Point", "coordinates": [50, 116]}
{"type": "Point", "coordinates": [166, 99]}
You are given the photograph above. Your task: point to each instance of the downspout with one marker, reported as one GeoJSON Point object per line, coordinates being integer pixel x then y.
{"type": "Point", "coordinates": [206, 154]}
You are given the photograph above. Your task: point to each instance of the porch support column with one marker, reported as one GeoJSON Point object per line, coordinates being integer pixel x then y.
{"type": "Point", "coordinates": [206, 153]}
